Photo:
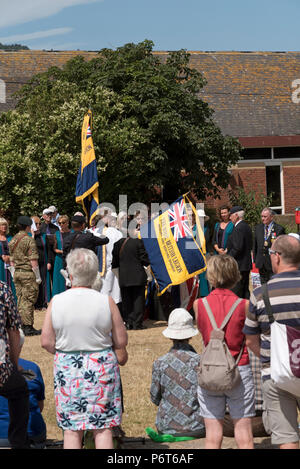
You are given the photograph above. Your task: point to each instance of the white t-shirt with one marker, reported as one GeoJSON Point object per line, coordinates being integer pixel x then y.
{"type": "Point", "coordinates": [81, 319]}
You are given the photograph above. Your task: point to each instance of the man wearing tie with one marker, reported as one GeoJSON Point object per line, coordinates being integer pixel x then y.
{"type": "Point", "coordinates": [264, 235]}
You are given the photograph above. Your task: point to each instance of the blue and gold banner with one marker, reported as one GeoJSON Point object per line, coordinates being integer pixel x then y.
{"type": "Point", "coordinates": [87, 179]}
{"type": "Point", "coordinates": [174, 248]}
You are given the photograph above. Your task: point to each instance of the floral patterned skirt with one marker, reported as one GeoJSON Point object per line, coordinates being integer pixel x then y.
{"type": "Point", "coordinates": [87, 390]}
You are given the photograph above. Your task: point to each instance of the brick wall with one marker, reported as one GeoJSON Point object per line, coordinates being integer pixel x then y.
{"type": "Point", "coordinates": [291, 179]}
{"type": "Point", "coordinates": [249, 177]}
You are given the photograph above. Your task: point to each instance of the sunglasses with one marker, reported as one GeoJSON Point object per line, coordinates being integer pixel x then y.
{"type": "Point", "coordinates": [271, 251]}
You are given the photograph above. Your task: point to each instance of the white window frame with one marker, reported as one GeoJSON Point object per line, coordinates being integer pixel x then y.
{"type": "Point", "coordinates": [273, 162]}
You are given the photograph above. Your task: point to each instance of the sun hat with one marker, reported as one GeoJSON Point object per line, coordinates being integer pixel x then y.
{"type": "Point", "coordinates": [180, 325]}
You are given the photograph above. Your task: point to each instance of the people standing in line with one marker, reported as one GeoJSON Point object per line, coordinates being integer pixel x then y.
{"type": "Point", "coordinates": [283, 290]}
{"type": "Point", "coordinates": [264, 236]}
{"type": "Point", "coordinates": [36, 430]}
{"type": "Point", "coordinates": [130, 258]}
{"type": "Point", "coordinates": [24, 257]}
{"type": "Point", "coordinates": [174, 381]}
{"type": "Point", "coordinates": [46, 260]}
{"type": "Point", "coordinates": [223, 274]}
{"type": "Point", "coordinates": [13, 386]}
{"type": "Point", "coordinates": [84, 331]}
{"type": "Point", "coordinates": [240, 247]}
{"type": "Point", "coordinates": [222, 231]}
{"type": "Point", "coordinates": [59, 284]}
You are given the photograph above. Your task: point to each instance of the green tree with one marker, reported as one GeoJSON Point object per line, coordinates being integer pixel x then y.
{"type": "Point", "coordinates": [149, 128]}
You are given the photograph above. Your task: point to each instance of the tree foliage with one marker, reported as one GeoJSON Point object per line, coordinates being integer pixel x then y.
{"type": "Point", "coordinates": [149, 127]}
{"type": "Point", "coordinates": [13, 47]}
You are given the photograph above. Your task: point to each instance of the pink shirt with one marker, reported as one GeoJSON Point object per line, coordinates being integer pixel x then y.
{"type": "Point", "coordinates": [220, 300]}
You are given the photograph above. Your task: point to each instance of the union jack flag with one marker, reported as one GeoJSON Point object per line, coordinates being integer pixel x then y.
{"type": "Point", "coordinates": [179, 221]}
{"type": "Point", "coordinates": [88, 132]}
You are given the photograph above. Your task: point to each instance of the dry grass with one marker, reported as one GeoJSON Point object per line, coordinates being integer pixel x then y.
{"type": "Point", "coordinates": [144, 347]}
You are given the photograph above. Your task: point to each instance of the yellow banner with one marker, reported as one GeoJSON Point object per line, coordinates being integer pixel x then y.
{"type": "Point", "coordinates": [172, 258]}
{"type": "Point", "coordinates": [87, 146]}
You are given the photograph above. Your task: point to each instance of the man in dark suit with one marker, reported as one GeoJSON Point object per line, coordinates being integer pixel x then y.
{"type": "Point", "coordinates": [131, 258]}
{"type": "Point", "coordinates": [239, 247]}
{"type": "Point", "coordinates": [264, 235]}
{"type": "Point", "coordinates": [80, 238]}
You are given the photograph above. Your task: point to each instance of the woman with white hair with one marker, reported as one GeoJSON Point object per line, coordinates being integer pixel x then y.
{"type": "Point", "coordinates": [84, 331]}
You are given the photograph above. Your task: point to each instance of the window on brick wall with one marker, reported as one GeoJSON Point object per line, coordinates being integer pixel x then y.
{"type": "Point", "coordinates": [273, 180]}
{"type": "Point", "coordinates": [287, 152]}
{"type": "Point", "coordinates": [256, 153]}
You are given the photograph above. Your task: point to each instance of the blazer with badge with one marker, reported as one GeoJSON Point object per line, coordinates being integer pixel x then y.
{"type": "Point", "coordinates": [261, 246]}
{"type": "Point", "coordinates": [239, 245]}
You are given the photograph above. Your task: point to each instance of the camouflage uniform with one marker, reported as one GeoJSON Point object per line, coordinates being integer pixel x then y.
{"type": "Point", "coordinates": [24, 278]}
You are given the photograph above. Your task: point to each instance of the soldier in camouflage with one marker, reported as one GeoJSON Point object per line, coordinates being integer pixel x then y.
{"type": "Point", "coordinates": [24, 258]}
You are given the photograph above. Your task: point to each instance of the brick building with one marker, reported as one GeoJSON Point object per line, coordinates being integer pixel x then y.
{"type": "Point", "coordinates": [255, 96]}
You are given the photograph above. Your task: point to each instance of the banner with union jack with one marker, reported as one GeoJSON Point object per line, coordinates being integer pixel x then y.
{"type": "Point", "coordinates": [87, 179]}
{"type": "Point", "coordinates": [174, 251]}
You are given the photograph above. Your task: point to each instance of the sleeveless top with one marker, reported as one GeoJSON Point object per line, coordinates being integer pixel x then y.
{"type": "Point", "coordinates": [81, 319]}
{"type": "Point", "coordinates": [220, 300]}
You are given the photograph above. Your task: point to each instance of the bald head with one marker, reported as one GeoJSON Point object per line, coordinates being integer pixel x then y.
{"type": "Point", "coordinates": [289, 249]}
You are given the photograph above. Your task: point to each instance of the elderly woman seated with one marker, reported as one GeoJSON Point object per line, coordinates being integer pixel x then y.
{"type": "Point", "coordinates": [84, 331]}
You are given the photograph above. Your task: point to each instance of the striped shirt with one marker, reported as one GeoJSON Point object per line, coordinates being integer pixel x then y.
{"type": "Point", "coordinates": [284, 293]}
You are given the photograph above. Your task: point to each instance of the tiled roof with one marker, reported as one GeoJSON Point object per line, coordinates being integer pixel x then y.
{"type": "Point", "coordinates": [250, 92]}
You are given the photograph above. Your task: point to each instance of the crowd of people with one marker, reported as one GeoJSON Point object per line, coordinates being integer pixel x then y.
{"type": "Point", "coordinates": [62, 265]}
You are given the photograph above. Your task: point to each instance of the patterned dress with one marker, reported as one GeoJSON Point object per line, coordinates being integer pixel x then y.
{"type": "Point", "coordinates": [9, 319]}
{"type": "Point", "coordinates": [87, 390]}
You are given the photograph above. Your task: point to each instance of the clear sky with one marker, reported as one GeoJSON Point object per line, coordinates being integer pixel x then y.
{"type": "Point", "coordinates": [220, 25]}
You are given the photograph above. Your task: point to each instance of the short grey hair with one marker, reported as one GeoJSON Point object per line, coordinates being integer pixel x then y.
{"type": "Point", "coordinates": [241, 214]}
{"type": "Point", "coordinates": [83, 265]}
{"type": "Point", "coordinates": [268, 209]}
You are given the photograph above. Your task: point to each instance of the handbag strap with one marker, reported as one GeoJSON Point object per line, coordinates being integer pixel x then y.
{"type": "Point", "coordinates": [227, 317]}
{"type": "Point", "coordinates": [266, 298]}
